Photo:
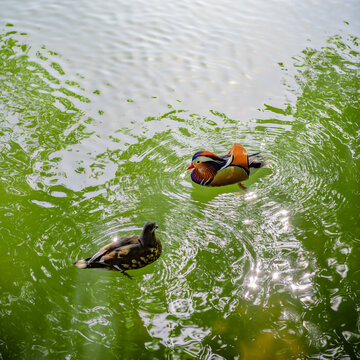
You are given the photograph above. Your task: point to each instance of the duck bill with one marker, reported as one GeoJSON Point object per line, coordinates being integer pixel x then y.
{"type": "Point", "coordinates": [190, 167]}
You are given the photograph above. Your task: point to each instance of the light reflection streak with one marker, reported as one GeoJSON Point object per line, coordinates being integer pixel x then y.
{"type": "Point", "coordinates": [250, 196]}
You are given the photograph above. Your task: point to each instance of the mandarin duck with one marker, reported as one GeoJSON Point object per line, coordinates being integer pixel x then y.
{"type": "Point", "coordinates": [127, 252]}
{"type": "Point", "coordinates": [212, 170]}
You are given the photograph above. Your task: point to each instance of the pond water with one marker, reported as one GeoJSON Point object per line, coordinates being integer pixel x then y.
{"type": "Point", "coordinates": [102, 105]}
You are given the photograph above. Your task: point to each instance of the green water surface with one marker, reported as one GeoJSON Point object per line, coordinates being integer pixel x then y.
{"type": "Point", "coordinates": [269, 273]}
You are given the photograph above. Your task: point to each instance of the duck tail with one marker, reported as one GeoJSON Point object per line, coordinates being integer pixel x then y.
{"type": "Point", "coordinates": [81, 264]}
{"type": "Point", "coordinates": [256, 161]}
{"type": "Point", "coordinates": [88, 264]}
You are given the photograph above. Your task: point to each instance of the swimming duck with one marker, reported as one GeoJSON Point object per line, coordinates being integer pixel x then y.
{"type": "Point", "coordinates": [127, 252]}
{"type": "Point", "coordinates": [213, 170]}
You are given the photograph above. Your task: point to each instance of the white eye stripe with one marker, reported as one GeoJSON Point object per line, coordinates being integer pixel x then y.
{"type": "Point", "coordinates": [205, 158]}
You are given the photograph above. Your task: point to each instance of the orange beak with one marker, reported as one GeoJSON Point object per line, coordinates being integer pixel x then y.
{"type": "Point", "coordinates": [190, 167]}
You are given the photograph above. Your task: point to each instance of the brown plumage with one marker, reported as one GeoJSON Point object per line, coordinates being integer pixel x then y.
{"type": "Point", "coordinates": [127, 252]}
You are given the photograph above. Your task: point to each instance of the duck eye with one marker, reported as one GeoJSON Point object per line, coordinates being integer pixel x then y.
{"type": "Point", "coordinates": [198, 161]}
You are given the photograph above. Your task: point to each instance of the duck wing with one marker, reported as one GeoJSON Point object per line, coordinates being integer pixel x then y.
{"type": "Point", "coordinates": [123, 255]}
{"type": "Point", "coordinates": [234, 169]}
{"type": "Point", "coordinates": [118, 244]}
{"type": "Point", "coordinates": [239, 156]}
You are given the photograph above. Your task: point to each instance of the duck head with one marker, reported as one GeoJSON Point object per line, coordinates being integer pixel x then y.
{"type": "Point", "coordinates": [200, 158]}
{"type": "Point", "coordinates": [147, 235]}
{"type": "Point", "coordinates": [205, 165]}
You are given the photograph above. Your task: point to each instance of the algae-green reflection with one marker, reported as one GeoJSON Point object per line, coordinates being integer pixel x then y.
{"type": "Point", "coordinates": [270, 272]}
{"type": "Point", "coordinates": [323, 168]}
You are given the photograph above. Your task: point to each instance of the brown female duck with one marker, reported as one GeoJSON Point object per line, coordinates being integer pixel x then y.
{"type": "Point", "coordinates": [127, 252]}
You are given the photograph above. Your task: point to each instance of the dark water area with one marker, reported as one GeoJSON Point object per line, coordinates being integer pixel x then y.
{"type": "Point", "coordinates": [97, 128]}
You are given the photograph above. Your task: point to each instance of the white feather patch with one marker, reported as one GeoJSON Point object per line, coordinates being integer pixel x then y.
{"type": "Point", "coordinates": [230, 160]}
{"type": "Point", "coordinates": [81, 264]}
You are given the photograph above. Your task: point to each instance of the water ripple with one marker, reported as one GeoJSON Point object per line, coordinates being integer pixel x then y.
{"type": "Point", "coordinates": [240, 271]}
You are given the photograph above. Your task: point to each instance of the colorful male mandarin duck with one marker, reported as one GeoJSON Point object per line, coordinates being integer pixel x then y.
{"type": "Point", "coordinates": [213, 170]}
{"type": "Point", "coordinates": [127, 252]}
